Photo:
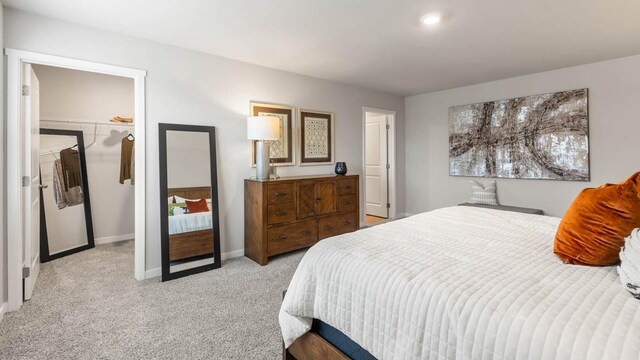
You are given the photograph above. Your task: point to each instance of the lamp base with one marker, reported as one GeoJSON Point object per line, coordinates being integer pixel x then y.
{"type": "Point", "coordinates": [262, 160]}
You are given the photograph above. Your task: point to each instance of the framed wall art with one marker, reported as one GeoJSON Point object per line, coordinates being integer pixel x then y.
{"type": "Point", "coordinates": [532, 137]}
{"type": "Point", "coordinates": [316, 137]}
{"type": "Point", "coordinates": [282, 153]}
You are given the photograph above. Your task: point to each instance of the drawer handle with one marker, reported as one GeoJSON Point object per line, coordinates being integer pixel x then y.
{"type": "Point", "coordinates": [283, 237]}
{"type": "Point", "coordinates": [306, 232]}
{"type": "Point", "coordinates": [328, 227]}
{"type": "Point", "coordinates": [348, 187]}
{"type": "Point", "coordinates": [280, 193]}
{"type": "Point", "coordinates": [281, 213]}
{"type": "Point", "coordinates": [348, 202]}
{"type": "Point", "coordinates": [318, 199]}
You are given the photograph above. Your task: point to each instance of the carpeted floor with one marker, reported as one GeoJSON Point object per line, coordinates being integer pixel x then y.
{"type": "Point", "coordinates": [88, 306]}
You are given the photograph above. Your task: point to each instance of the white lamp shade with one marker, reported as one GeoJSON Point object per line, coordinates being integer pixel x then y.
{"type": "Point", "coordinates": [263, 128]}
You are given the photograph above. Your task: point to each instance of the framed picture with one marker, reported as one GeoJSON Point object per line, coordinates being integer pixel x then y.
{"type": "Point", "coordinates": [282, 153]}
{"type": "Point", "coordinates": [316, 137]}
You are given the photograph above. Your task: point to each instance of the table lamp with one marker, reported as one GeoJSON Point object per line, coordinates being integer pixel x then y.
{"type": "Point", "coordinates": [263, 129]}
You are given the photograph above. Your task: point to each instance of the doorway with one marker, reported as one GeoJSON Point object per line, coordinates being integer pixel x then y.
{"type": "Point", "coordinates": [22, 169]}
{"type": "Point", "coordinates": [379, 165]}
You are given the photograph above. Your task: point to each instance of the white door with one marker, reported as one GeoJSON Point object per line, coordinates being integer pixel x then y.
{"type": "Point", "coordinates": [376, 174]}
{"type": "Point", "coordinates": [31, 176]}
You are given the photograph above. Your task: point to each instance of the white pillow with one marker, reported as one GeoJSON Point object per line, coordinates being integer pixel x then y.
{"type": "Point", "coordinates": [629, 269]}
{"type": "Point", "coordinates": [483, 194]}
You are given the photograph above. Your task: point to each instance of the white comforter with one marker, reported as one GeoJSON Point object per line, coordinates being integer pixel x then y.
{"type": "Point", "coordinates": [190, 222]}
{"type": "Point", "coordinates": [462, 283]}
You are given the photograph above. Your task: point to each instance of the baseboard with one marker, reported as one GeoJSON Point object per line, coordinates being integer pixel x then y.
{"type": "Point", "coordinates": [232, 254]}
{"type": "Point", "coordinates": [150, 274]}
{"type": "Point", "coordinates": [403, 215]}
{"type": "Point", "coordinates": [110, 239]}
{"type": "Point", "coordinates": [224, 256]}
{"type": "Point", "coordinates": [3, 309]}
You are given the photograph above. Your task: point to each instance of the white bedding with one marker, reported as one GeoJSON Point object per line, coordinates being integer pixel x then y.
{"type": "Point", "coordinates": [462, 283]}
{"type": "Point", "coordinates": [190, 222]}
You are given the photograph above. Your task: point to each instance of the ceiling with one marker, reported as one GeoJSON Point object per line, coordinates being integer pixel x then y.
{"type": "Point", "coordinates": [378, 44]}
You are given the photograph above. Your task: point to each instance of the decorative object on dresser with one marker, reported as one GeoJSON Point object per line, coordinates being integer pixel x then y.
{"type": "Point", "coordinates": [316, 137]}
{"type": "Point", "coordinates": [484, 194]}
{"type": "Point", "coordinates": [281, 150]}
{"type": "Point", "coordinates": [341, 168]}
{"type": "Point", "coordinates": [533, 137]}
{"type": "Point", "coordinates": [263, 129]}
{"type": "Point", "coordinates": [190, 227]}
{"type": "Point", "coordinates": [296, 212]}
{"type": "Point", "coordinates": [507, 208]}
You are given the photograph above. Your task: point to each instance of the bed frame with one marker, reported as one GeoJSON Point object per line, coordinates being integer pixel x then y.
{"type": "Point", "coordinates": [312, 346]}
{"type": "Point", "coordinates": [194, 243]}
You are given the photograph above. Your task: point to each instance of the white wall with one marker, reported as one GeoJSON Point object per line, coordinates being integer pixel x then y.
{"type": "Point", "coordinates": [188, 159]}
{"type": "Point", "coordinates": [614, 127]}
{"type": "Point", "coordinates": [80, 95]}
{"type": "Point", "coordinates": [189, 87]}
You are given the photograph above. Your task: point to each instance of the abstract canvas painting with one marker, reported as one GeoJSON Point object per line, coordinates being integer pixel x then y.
{"type": "Point", "coordinates": [534, 137]}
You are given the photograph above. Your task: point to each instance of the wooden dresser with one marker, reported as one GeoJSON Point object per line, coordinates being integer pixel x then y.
{"type": "Point", "coordinates": [296, 212]}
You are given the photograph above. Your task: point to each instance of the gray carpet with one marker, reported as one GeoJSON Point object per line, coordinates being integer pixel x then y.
{"type": "Point", "coordinates": [88, 306]}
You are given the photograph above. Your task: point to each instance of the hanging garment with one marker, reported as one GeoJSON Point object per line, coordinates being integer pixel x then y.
{"type": "Point", "coordinates": [133, 164]}
{"type": "Point", "coordinates": [70, 168]}
{"type": "Point", "coordinates": [126, 150]}
{"type": "Point", "coordinates": [64, 198]}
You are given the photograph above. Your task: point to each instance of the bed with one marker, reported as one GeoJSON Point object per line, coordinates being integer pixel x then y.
{"type": "Point", "coordinates": [459, 283]}
{"type": "Point", "coordinates": [190, 235]}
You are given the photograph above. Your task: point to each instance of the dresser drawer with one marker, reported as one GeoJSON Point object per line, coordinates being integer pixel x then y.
{"type": "Point", "coordinates": [347, 203]}
{"type": "Point", "coordinates": [279, 193]}
{"type": "Point", "coordinates": [336, 225]}
{"type": "Point", "coordinates": [347, 186]}
{"type": "Point", "coordinates": [279, 213]}
{"type": "Point", "coordinates": [285, 238]}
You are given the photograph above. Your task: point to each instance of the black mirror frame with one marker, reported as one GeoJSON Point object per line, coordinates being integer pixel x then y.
{"type": "Point", "coordinates": [45, 255]}
{"type": "Point", "coordinates": [164, 217]}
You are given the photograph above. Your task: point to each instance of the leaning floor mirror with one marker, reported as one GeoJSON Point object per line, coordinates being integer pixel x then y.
{"type": "Point", "coordinates": [189, 199]}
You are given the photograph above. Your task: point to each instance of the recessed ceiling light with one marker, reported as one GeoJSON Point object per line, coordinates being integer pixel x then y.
{"type": "Point", "coordinates": [430, 19]}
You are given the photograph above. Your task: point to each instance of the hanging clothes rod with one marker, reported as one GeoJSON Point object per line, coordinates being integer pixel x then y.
{"type": "Point", "coordinates": [87, 122]}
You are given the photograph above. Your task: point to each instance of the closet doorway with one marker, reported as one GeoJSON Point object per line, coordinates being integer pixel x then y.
{"type": "Point", "coordinates": [31, 108]}
{"type": "Point", "coordinates": [379, 165]}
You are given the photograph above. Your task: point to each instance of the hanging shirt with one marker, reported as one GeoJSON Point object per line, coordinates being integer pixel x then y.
{"type": "Point", "coordinates": [126, 152]}
{"type": "Point", "coordinates": [70, 160]}
{"type": "Point", "coordinates": [133, 164]}
{"type": "Point", "coordinates": [64, 198]}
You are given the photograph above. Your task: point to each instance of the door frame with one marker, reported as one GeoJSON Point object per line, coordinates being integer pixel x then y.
{"type": "Point", "coordinates": [391, 158]}
{"type": "Point", "coordinates": [15, 62]}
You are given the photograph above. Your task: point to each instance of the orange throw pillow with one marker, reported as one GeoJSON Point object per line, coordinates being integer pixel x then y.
{"type": "Point", "coordinates": [595, 225]}
{"type": "Point", "coordinates": [197, 206]}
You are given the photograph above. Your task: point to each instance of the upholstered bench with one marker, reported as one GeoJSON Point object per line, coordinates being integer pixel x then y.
{"type": "Point", "coordinates": [507, 208]}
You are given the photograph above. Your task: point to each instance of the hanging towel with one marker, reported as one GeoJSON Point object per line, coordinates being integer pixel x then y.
{"type": "Point", "coordinates": [126, 150]}
{"type": "Point", "coordinates": [64, 198]}
{"type": "Point", "coordinates": [70, 168]}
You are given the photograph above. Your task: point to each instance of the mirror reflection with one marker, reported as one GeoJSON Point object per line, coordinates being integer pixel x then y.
{"type": "Point", "coordinates": [62, 193]}
{"type": "Point", "coordinates": [189, 200]}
